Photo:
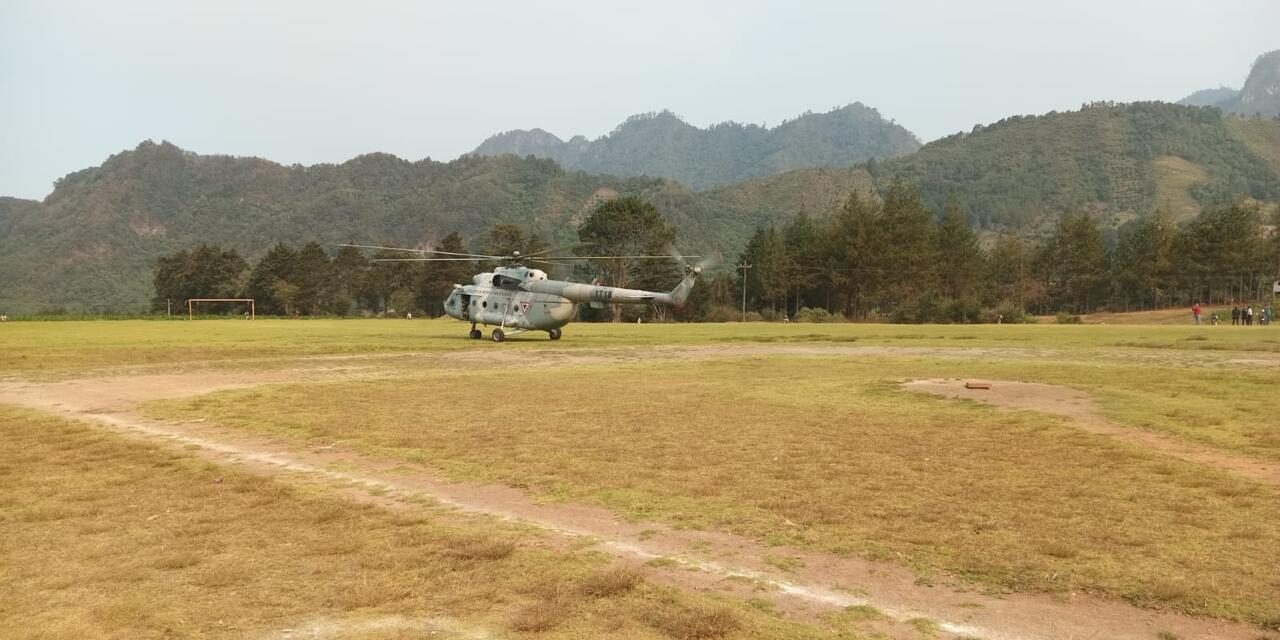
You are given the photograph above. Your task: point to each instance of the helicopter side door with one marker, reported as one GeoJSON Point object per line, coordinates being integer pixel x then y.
{"type": "Point", "coordinates": [465, 300]}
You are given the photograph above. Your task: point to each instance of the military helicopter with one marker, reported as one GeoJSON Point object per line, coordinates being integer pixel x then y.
{"type": "Point", "coordinates": [516, 298]}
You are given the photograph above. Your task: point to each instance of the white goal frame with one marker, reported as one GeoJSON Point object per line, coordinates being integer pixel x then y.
{"type": "Point", "coordinates": [253, 313]}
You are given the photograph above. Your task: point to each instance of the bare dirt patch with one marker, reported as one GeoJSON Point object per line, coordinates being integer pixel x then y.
{"type": "Point", "coordinates": [381, 626]}
{"type": "Point", "coordinates": [810, 584]}
{"type": "Point", "coordinates": [1080, 409]}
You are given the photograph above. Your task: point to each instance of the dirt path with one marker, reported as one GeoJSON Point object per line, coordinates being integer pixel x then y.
{"type": "Point", "coordinates": [696, 560]}
{"type": "Point", "coordinates": [1077, 405]}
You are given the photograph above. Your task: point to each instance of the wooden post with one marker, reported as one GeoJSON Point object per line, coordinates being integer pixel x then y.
{"type": "Point", "coordinates": [190, 315]}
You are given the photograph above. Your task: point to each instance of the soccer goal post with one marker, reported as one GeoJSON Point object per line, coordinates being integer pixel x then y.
{"type": "Point", "coordinates": [191, 303]}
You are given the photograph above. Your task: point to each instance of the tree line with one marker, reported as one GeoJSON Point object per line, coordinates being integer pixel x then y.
{"type": "Point", "coordinates": [893, 258]}
{"type": "Point", "coordinates": [308, 281]}
{"type": "Point", "coordinates": [888, 258]}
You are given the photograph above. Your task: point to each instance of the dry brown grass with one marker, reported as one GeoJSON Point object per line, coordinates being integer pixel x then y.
{"type": "Point", "coordinates": [611, 582]}
{"type": "Point", "coordinates": [685, 622]}
{"type": "Point", "coordinates": [106, 538]}
{"type": "Point", "coordinates": [828, 453]}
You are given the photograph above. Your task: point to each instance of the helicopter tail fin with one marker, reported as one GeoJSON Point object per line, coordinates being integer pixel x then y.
{"type": "Point", "coordinates": [680, 294]}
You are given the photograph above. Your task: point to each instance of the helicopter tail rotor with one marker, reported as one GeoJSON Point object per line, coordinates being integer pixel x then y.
{"type": "Point", "coordinates": [707, 263]}
{"type": "Point", "coordinates": [680, 294]}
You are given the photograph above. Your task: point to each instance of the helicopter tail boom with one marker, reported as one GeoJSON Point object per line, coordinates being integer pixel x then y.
{"type": "Point", "coordinates": [616, 295]}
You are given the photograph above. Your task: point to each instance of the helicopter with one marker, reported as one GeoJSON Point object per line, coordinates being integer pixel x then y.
{"type": "Point", "coordinates": [516, 298]}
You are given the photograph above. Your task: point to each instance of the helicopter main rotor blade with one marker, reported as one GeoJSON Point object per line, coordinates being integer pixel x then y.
{"type": "Point", "coordinates": [430, 260]}
{"type": "Point", "coordinates": [607, 257]}
{"type": "Point", "coordinates": [567, 247]}
{"type": "Point", "coordinates": [477, 256]}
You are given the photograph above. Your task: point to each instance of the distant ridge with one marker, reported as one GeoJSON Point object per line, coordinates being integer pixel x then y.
{"type": "Point", "coordinates": [1260, 95]}
{"type": "Point", "coordinates": [92, 242]}
{"type": "Point", "coordinates": [663, 145]}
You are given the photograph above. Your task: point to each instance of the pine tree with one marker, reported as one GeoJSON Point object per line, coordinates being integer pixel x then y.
{"type": "Point", "coordinates": [804, 258]}
{"type": "Point", "coordinates": [960, 258]}
{"type": "Point", "coordinates": [438, 278]}
{"type": "Point", "coordinates": [504, 239]}
{"type": "Point", "coordinates": [1008, 277]}
{"type": "Point", "coordinates": [276, 266]}
{"type": "Point", "coordinates": [854, 258]}
{"type": "Point", "coordinates": [1143, 261]}
{"type": "Point", "coordinates": [906, 256]}
{"type": "Point", "coordinates": [349, 269]}
{"type": "Point", "coordinates": [313, 276]}
{"type": "Point", "coordinates": [204, 271]}
{"type": "Point", "coordinates": [625, 227]}
{"type": "Point", "coordinates": [1073, 263]}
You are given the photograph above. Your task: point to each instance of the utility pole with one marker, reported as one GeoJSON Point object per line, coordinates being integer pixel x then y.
{"type": "Point", "coordinates": [743, 267]}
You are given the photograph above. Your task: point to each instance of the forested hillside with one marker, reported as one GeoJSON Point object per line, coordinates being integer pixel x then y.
{"type": "Point", "coordinates": [663, 145]}
{"type": "Point", "coordinates": [92, 243]}
{"type": "Point", "coordinates": [1112, 160]}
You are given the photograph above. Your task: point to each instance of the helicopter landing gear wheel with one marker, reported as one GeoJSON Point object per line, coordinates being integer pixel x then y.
{"type": "Point", "coordinates": [554, 334]}
{"type": "Point", "coordinates": [476, 334]}
{"type": "Point", "coordinates": [498, 336]}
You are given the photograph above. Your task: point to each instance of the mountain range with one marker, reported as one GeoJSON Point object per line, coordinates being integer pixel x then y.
{"type": "Point", "coordinates": [1260, 95]}
{"type": "Point", "coordinates": [664, 146]}
{"type": "Point", "coordinates": [92, 242]}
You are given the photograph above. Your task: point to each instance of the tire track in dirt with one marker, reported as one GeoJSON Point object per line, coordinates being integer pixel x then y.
{"type": "Point", "coordinates": [820, 583]}
{"type": "Point", "coordinates": [1079, 407]}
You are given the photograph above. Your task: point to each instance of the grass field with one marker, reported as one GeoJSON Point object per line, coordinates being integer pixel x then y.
{"type": "Point", "coordinates": [69, 348]}
{"type": "Point", "coordinates": [105, 538]}
{"type": "Point", "coordinates": [831, 445]}
{"type": "Point", "coordinates": [793, 436]}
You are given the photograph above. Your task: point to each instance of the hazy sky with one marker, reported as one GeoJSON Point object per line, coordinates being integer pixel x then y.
{"type": "Point", "coordinates": [322, 82]}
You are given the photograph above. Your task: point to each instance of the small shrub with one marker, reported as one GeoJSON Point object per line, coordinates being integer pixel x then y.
{"type": "Point", "coordinates": [723, 313]}
{"type": "Point", "coordinates": [539, 616]}
{"type": "Point", "coordinates": [611, 582]}
{"type": "Point", "coordinates": [924, 626]}
{"type": "Point", "coordinates": [683, 622]}
{"type": "Point", "coordinates": [1168, 590]}
{"type": "Point", "coordinates": [1005, 313]}
{"type": "Point", "coordinates": [482, 549]}
{"type": "Point", "coordinates": [1068, 318]}
{"type": "Point", "coordinates": [816, 315]}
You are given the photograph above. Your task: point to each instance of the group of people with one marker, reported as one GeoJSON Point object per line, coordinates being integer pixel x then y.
{"type": "Point", "coordinates": [1245, 316]}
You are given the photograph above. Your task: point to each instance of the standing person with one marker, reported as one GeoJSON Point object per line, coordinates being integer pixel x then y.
{"type": "Point", "coordinates": [1248, 316]}
{"type": "Point", "coordinates": [1213, 319]}
{"type": "Point", "coordinates": [1195, 312]}
{"type": "Point", "coordinates": [1235, 315]}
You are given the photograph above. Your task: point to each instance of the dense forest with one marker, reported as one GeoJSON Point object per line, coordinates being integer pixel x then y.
{"type": "Point", "coordinates": [894, 258]}
{"type": "Point", "coordinates": [885, 258]}
{"type": "Point", "coordinates": [1107, 159]}
{"type": "Point", "coordinates": [663, 145]}
{"type": "Point", "coordinates": [93, 243]}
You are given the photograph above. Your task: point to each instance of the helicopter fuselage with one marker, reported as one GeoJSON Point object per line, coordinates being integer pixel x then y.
{"type": "Point", "coordinates": [496, 299]}
{"type": "Point", "coordinates": [521, 298]}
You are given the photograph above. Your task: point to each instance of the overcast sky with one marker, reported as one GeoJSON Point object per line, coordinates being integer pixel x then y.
{"type": "Point", "coordinates": [321, 82]}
